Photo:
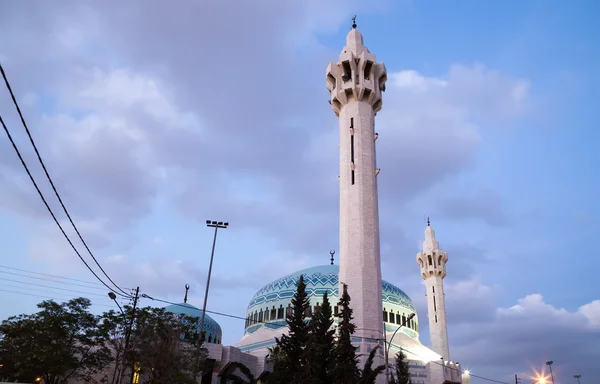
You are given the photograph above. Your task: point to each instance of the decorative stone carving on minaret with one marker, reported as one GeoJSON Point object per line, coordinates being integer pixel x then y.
{"type": "Point", "coordinates": [357, 76]}
{"type": "Point", "coordinates": [432, 263]}
{"type": "Point", "coordinates": [355, 84]}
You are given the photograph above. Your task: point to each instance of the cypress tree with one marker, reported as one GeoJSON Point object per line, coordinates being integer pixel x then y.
{"type": "Point", "coordinates": [402, 369]}
{"type": "Point", "coordinates": [319, 350]}
{"type": "Point", "coordinates": [346, 370]}
{"type": "Point", "coordinates": [290, 366]}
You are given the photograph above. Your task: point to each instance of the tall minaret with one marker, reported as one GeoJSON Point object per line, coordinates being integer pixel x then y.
{"type": "Point", "coordinates": [355, 83]}
{"type": "Point", "coordinates": [432, 261]}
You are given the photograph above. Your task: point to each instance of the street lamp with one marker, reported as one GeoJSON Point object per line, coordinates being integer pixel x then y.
{"type": "Point", "coordinates": [113, 297]}
{"type": "Point", "coordinates": [549, 363]}
{"type": "Point", "coordinates": [577, 377]}
{"type": "Point", "coordinates": [216, 225]}
{"type": "Point", "coordinates": [389, 344]}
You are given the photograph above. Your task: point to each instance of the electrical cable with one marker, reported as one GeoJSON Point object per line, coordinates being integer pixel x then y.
{"type": "Point", "coordinates": [452, 368]}
{"type": "Point", "coordinates": [51, 287]}
{"type": "Point", "coordinates": [50, 209]}
{"type": "Point", "coordinates": [263, 322]}
{"type": "Point", "coordinates": [49, 275]}
{"type": "Point", "coordinates": [48, 297]}
{"type": "Point", "coordinates": [186, 306]}
{"type": "Point", "coordinates": [12, 95]}
{"type": "Point", "coordinates": [53, 281]}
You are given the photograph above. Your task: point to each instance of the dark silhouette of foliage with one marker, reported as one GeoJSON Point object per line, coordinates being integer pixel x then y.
{"type": "Point", "coordinates": [320, 345]}
{"type": "Point", "coordinates": [289, 365]}
{"type": "Point", "coordinates": [401, 369]}
{"type": "Point", "coordinates": [344, 353]}
{"type": "Point", "coordinates": [166, 348]}
{"type": "Point", "coordinates": [368, 375]}
{"type": "Point", "coordinates": [58, 343]}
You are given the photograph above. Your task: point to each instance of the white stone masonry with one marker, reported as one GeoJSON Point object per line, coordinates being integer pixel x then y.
{"type": "Point", "coordinates": [432, 263]}
{"type": "Point", "coordinates": [355, 83]}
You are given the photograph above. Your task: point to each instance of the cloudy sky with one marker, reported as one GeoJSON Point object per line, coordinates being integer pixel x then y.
{"type": "Point", "coordinates": [153, 118]}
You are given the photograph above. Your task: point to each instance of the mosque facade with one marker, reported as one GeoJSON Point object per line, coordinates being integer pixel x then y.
{"type": "Point", "coordinates": [384, 315]}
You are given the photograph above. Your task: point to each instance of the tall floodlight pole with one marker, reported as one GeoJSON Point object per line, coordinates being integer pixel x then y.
{"type": "Point", "coordinates": [216, 225]}
{"type": "Point", "coordinates": [389, 344]}
{"type": "Point", "coordinates": [549, 363]}
{"type": "Point", "coordinates": [577, 377]}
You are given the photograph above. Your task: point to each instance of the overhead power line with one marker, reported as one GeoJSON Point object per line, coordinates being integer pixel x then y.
{"type": "Point", "coordinates": [54, 281]}
{"type": "Point", "coordinates": [52, 278]}
{"type": "Point", "coordinates": [49, 297]}
{"type": "Point", "coordinates": [50, 275]}
{"type": "Point", "coordinates": [37, 188]}
{"type": "Point", "coordinates": [12, 95]}
{"type": "Point", "coordinates": [51, 287]}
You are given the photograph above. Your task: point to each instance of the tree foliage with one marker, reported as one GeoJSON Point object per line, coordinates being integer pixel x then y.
{"type": "Point", "coordinates": [59, 342]}
{"type": "Point", "coordinates": [368, 375]}
{"type": "Point", "coordinates": [66, 342]}
{"type": "Point", "coordinates": [290, 361]}
{"type": "Point", "coordinates": [320, 345]}
{"type": "Point", "coordinates": [401, 369]}
{"type": "Point", "coordinates": [165, 347]}
{"type": "Point", "coordinates": [344, 353]}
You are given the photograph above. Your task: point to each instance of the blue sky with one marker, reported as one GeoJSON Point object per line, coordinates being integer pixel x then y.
{"type": "Point", "coordinates": [221, 113]}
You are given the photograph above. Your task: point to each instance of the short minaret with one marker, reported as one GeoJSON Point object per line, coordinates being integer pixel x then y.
{"type": "Point", "coordinates": [355, 83]}
{"type": "Point", "coordinates": [432, 261]}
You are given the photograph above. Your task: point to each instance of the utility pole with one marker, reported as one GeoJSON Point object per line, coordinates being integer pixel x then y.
{"type": "Point", "coordinates": [128, 336]}
{"type": "Point", "coordinates": [577, 377]}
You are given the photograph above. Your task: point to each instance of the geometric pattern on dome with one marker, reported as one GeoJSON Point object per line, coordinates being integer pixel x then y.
{"type": "Point", "coordinates": [211, 327]}
{"type": "Point", "coordinates": [318, 280]}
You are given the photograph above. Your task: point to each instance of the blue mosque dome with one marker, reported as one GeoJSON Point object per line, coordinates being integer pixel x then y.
{"type": "Point", "coordinates": [270, 305]}
{"type": "Point", "coordinates": [211, 327]}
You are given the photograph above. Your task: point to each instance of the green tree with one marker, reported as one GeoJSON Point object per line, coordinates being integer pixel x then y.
{"type": "Point", "coordinates": [320, 345]}
{"type": "Point", "coordinates": [165, 348]}
{"type": "Point", "coordinates": [345, 360]}
{"type": "Point", "coordinates": [368, 375]}
{"type": "Point", "coordinates": [402, 370]}
{"type": "Point", "coordinates": [60, 342]}
{"type": "Point", "coordinates": [289, 366]}
{"type": "Point", "coordinates": [236, 379]}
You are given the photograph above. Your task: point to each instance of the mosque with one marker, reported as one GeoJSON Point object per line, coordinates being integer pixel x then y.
{"type": "Point", "coordinates": [384, 315]}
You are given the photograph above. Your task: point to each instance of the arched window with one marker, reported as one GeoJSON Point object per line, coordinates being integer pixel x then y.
{"type": "Point", "coordinates": [280, 312]}
{"type": "Point", "coordinates": [273, 313]}
{"type": "Point", "coordinates": [430, 262]}
{"type": "Point", "coordinates": [440, 260]}
{"type": "Point", "coordinates": [385, 315]}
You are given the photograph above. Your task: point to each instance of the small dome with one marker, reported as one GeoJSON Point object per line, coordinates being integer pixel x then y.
{"type": "Point", "coordinates": [211, 327]}
{"type": "Point", "coordinates": [354, 38]}
{"type": "Point", "coordinates": [267, 307]}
